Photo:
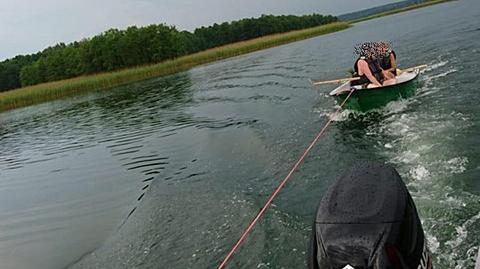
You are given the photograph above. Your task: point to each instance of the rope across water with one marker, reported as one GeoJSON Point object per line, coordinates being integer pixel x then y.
{"type": "Point", "coordinates": [280, 186]}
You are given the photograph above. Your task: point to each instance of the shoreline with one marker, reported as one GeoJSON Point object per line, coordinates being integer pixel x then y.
{"type": "Point", "coordinates": [399, 10]}
{"type": "Point", "coordinates": [50, 91]}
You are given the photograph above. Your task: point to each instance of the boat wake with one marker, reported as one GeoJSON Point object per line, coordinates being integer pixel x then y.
{"type": "Point", "coordinates": [420, 142]}
{"type": "Point", "coordinates": [441, 75]}
{"type": "Point", "coordinates": [437, 65]}
{"type": "Point", "coordinates": [421, 146]}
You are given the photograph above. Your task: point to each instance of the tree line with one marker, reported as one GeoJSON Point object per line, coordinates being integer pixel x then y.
{"type": "Point", "coordinates": [117, 49]}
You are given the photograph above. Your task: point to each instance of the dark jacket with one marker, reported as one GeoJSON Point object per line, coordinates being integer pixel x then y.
{"type": "Point", "coordinates": [385, 62]}
{"type": "Point", "coordinates": [375, 68]}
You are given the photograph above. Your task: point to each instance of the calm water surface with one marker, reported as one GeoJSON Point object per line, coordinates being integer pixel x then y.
{"type": "Point", "coordinates": [166, 173]}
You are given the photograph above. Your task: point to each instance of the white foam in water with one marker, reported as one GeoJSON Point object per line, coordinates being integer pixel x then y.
{"type": "Point", "coordinates": [397, 106]}
{"type": "Point", "coordinates": [336, 117]}
{"type": "Point", "coordinates": [428, 88]}
{"type": "Point", "coordinates": [426, 91]}
{"type": "Point", "coordinates": [436, 65]}
{"type": "Point", "coordinates": [419, 173]}
{"type": "Point", "coordinates": [433, 243]}
{"type": "Point", "coordinates": [419, 144]}
{"type": "Point", "coordinates": [398, 128]}
{"type": "Point", "coordinates": [407, 157]}
{"type": "Point", "coordinates": [453, 202]}
{"type": "Point", "coordinates": [263, 265]}
{"type": "Point", "coordinates": [443, 74]}
{"type": "Point", "coordinates": [457, 165]}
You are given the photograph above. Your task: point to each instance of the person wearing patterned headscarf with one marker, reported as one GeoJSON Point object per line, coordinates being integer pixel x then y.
{"type": "Point", "coordinates": [374, 66]}
{"type": "Point", "coordinates": [366, 66]}
{"type": "Point", "coordinates": [387, 58]}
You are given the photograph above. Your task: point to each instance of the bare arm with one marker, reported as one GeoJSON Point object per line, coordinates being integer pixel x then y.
{"type": "Point", "coordinates": [363, 69]}
{"type": "Point", "coordinates": [393, 64]}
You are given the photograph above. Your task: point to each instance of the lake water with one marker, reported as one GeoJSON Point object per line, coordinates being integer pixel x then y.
{"type": "Point", "coordinates": [168, 172]}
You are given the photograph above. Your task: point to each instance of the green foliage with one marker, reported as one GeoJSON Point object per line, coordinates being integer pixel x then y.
{"type": "Point", "coordinates": [225, 33]}
{"type": "Point", "coordinates": [136, 46]}
{"type": "Point", "coordinates": [111, 50]}
{"type": "Point", "coordinates": [10, 70]}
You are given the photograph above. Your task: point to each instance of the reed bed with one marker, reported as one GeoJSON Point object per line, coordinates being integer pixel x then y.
{"type": "Point", "coordinates": [58, 89]}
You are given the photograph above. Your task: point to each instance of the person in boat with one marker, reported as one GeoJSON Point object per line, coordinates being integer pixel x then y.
{"type": "Point", "coordinates": [368, 66]}
{"type": "Point", "coordinates": [387, 59]}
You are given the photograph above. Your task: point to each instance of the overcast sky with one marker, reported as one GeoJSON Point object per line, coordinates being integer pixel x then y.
{"type": "Point", "coordinates": [30, 26]}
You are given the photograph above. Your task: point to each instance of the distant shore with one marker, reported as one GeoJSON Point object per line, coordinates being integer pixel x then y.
{"type": "Point", "coordinates": [58, 89]}
{"type": "Point", "coordinates": [399, 10]}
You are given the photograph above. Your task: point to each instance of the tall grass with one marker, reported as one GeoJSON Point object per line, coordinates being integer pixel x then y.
{"type": "Point", "coordinates": [399, 10]}
{"type": "Point", "coordinates": [58, 89]}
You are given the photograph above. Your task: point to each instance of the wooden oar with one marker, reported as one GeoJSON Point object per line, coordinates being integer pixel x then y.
{"type": "Point", "coordinates": [343, 80]}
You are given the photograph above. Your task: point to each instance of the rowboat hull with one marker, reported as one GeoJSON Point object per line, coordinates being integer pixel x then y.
{"type": "Point", "coordinates": [364, 99]}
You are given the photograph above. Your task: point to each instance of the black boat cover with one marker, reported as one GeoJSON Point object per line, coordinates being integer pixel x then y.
{"type": "Point", "coordinates": [367, 219]}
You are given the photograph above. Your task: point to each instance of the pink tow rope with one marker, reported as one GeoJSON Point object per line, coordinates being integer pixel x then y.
{"type": "Point", "coordinates": [280, 186]}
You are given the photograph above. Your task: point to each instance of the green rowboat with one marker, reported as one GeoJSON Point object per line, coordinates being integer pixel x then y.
{"type": "Point", "coordinates": [364, 99]}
